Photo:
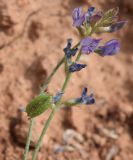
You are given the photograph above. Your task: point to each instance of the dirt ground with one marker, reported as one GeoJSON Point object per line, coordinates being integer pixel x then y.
{"type": "Point", "coordinates": [33, 34]}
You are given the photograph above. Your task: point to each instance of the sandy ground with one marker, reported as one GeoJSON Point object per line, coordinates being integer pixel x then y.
{"type": "Point", "coordinates": [32, 36]}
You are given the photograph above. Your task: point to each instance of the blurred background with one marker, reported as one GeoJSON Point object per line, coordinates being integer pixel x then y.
{"type": "Point", "coordinates": [33, 34]}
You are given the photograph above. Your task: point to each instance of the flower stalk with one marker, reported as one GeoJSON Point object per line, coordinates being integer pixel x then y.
{"type": "Point", "coordinates": [28, 139]}
{"type": "Point", "coordinates": [45, 85]}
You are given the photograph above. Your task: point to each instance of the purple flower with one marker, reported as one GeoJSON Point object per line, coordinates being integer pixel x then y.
{"type": "Point", "coordinates": [90, 11]}
{"type": "Point", "coordinates": [76, 67]}
{"type": "Point", "coordinates": [78, 17]}
{"type": "Point", "coordinates": [57, 97]}
{"type": "Point", "coordinates": [68, 51]}
{"type": "Point", "coordinates": [84, 99]}
{"type": "Point", "coordinates": [95, 17]}
{"type": "Point", "coordinates": [89, 14]}
{"type": "Point", "coordinates": [111, 47]}
{"type": "Point", "coordinates": [117, 26]}
{"type": "Point", "coordinates": [89, 44]}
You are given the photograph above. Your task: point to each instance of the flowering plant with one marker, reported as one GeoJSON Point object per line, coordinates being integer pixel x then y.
{"type": "Point", "coordinates": [87, 23]}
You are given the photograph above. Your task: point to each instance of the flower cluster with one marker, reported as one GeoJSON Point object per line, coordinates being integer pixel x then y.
{"type": "Point", "coordinates": [69, 52]}
{"type": "Point", "coordinates": [96, 19]}
{"type": "Point", "coordinates": [84, 99]}
{"type": "Point", "coordinates": [87, 23]}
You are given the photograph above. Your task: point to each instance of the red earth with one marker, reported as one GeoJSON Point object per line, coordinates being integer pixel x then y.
{"type": "Point", "coordinates": [33, 34]}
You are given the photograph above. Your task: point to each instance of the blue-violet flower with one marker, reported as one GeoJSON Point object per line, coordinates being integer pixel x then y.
{"type": "Point", "coordinates": [111, 47]}
{"type": "Point", "coordinates": [90, 11]}
{"type": "Point", "coordinates": [84, 99]}
{"type": "Point", "coordinates": [117, 26]}
{"type": "Point", "coordinates": [78, 17]}
{"type": "Point", "coordinates": [68, 51]}
{"type": "Point", "coordinates": [57, 97]}
{"type": "Point", "coordinates": [89, 44]}
{"type": "Point", "coordinates": [76, 67]}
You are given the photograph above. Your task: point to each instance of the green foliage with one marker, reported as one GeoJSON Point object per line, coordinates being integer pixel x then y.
{"type": "Point", "coordinates": [108, 18]}
{"type": "Point", "coordinates": [39, 105]}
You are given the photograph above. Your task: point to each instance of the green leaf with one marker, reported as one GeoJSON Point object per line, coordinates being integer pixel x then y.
{"type": "Point", "coordinates": [39, 105]}
{"type": "Point", "coordinates": [111, 13]}
{"type": "Point", "coordinates": [108, 18]}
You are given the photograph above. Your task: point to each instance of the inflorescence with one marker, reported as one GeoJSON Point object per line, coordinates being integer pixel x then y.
{"type": "Point", "coordinates": [87, 23]}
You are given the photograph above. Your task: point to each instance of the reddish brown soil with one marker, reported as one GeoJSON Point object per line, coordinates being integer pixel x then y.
{"type": "Point", "coordinates": [32, 36]}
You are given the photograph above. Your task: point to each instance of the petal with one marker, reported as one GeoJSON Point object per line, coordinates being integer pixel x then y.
{"type": "Point", "coordinates": [77, 13]}
{"type": "Point", "coordinates": [89, 44]}
{"type": "Point", "coordinates": [117, 26]}
{"type": "Point", "coordinates": [68, 51]}
{"type": "Point", "coordinates": [90, 100]}
{"type": "Point", "coordinates": [57, 97]}
{"type": "Point", "coordinates": [76, 67]}
{"type": "Point", "coordinates": [96, 17]}
{"type": "Point", "coordinates": [110, 48]}
{"type": "Point", "coordinates": [78, 17]}
{"type": "Point", "coordinates": [91, 10]}
{"type": "Point", "coordinates": [84, 93]}
{"type": "Point", "coordinates": [78, 22]}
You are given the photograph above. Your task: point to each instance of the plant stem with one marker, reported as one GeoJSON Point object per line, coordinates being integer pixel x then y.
{"type": "Point", "coordinates": [66, 82]}
{"type": "Point", "coordinates": [45, 85]}
{"type": "Point", "coordinates": [78, 56]}
{"type": "Point", "coordinates": [47, 124]}
{"type": "Point", "coordinates": [40, 140]}
{"type": "Point", "coordinates": [28, 139]}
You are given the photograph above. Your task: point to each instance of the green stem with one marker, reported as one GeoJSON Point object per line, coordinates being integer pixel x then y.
{"type": "Point", "coordinates": [40, 140]}
{"type": "Point", "coordinates": [47, 124]}
{"type": "Point", "coordinates": [78, 56]}
{"type": "Point", "coordinates": [66, 82]}
{"type": "Point", "coordinates": [45, 85]}
{"type": "Point", "coordinates": [28, 139]}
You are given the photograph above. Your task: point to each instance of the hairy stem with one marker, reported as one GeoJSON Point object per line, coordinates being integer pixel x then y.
{"type": "Point", "coordinates": [66, 82]}
{"type": "Point", "coordinates": [78, 56]}
{"type": "Point", "coordinates": [45, 85]}
{"type": "Point", "coordinates": [28, 139]}
{"type": "Point", "coordinates": [40, 140]}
